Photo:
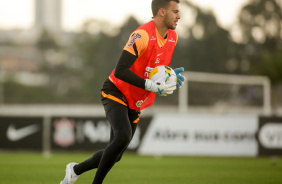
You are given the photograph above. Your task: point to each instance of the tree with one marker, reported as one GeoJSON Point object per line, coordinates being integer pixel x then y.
{"type": "Point", "coordinates": [261, 24]}
{"type": "Point", "coordinates": [46, 41]}
{"type": "Point", "coordinates": [63, 80]}
{"type": "Point", "coordinates": [209, 47]}
{"type": "Point", "coordinates": [99, 50]}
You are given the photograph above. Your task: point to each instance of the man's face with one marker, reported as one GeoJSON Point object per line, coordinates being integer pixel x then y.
{"type": "Point", "coordinates": [172, 15]}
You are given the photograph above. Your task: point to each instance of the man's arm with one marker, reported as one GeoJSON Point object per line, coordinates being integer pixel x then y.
{"type": "Point", "coordinates": [124, 73]}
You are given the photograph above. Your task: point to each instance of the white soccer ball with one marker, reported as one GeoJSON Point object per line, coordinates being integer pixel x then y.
{"type": "Point", "coordinates": [163, 75]}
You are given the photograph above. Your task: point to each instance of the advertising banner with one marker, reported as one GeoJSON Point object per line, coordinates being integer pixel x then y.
{"type": "Point", "coordinates": [21, 133]}
{"type": "Point", "coordinates": [270, 136]}
{"type": "Point", "coordinates": [218, 135]}
{"type": "Point", "coordinates": [88, 133]}
{"type": "Point", "coordinates": [163, 134]}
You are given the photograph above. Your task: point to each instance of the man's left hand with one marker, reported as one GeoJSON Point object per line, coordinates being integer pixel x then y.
{"type": "Point", "coordinates": [180, 78]}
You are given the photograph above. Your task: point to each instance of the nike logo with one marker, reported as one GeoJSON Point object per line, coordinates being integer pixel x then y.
{"type": "Point", "coordinates": [153, 38]}
{"type": "Point", "coordinates": [171, 40]}
{"type": "Point", "coordinates": [159, 54]}
{"type": "Point", "coordinates": [160, 90]}
{"type": "Point", "coordinates": [14, 134]}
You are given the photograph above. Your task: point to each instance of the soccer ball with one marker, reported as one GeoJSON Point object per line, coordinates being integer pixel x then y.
{"type": "Point", "coordinates": [163, 75]}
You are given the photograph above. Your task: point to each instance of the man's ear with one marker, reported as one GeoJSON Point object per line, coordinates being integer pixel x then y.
{"type": "Point", "coordinates": [162, 12]}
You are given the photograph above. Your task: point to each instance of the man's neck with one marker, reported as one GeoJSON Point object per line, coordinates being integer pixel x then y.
{"type": "Point", "coordinates": [161, 29]}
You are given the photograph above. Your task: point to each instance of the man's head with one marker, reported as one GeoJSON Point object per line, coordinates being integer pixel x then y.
{"type": "Point", "coordinates": [167, 11]}
{"type": "Point", "coordinates": [157, 4]}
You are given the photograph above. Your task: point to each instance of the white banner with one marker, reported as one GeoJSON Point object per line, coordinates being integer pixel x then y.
{"type": "Point", "coordinates": [214, 135]}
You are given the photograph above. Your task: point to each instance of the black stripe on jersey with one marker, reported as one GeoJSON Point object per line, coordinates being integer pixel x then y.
{"type": "Point", "coordinates": [135, 50]}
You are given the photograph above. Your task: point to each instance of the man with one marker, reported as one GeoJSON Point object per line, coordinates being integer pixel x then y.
{"type": "Point", "coordinates": [128, 89]}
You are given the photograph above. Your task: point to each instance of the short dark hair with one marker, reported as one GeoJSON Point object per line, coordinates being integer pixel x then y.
{"type": "Point", "coordinates": [157, 4]}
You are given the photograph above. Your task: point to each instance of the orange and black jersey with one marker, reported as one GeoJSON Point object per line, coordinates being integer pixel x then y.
{"type": "Point", "coordinates": [134, 48]}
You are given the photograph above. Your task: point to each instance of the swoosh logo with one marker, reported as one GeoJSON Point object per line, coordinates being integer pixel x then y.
{"type": "Point", "coordinates": [14, 134]}
{"type": "Point", "coordinates": [159, 54]}
{"type": "Point", "coordinates": [171, 40]}
{"type": "Point", "coordinates": [160, 91]}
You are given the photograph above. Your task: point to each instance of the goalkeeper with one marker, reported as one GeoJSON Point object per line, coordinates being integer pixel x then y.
{"type": "Point", "coordinates": [128, 90]}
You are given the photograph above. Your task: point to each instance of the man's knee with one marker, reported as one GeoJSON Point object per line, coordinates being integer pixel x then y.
{"type": "Point", "coordinates": [119, 158]}
{"type": "Point", "coordinates": [124, 139]}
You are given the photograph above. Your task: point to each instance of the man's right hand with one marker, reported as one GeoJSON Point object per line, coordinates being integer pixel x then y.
{"type": "Point", "coordinates": [161, 89]}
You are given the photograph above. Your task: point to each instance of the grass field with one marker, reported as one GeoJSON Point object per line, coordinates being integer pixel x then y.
{"type": "Point", "coordinates": [33, 168]}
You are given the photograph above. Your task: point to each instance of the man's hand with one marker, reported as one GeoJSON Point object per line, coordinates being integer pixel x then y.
{"type": "Point", "coordinates": [180, 78]}
{"type": "Point", "coordinates": [161, 89]}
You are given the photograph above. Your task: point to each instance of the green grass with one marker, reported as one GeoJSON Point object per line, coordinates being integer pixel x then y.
{"type": "Point", "coordinates": [33, 168]}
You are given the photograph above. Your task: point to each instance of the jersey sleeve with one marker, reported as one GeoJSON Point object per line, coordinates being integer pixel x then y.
{"type": "Point", "coordinates": [137, 43]}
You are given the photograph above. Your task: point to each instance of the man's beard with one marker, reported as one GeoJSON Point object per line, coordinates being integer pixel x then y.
{"type": "Point", "coordinates": [168, 23]}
